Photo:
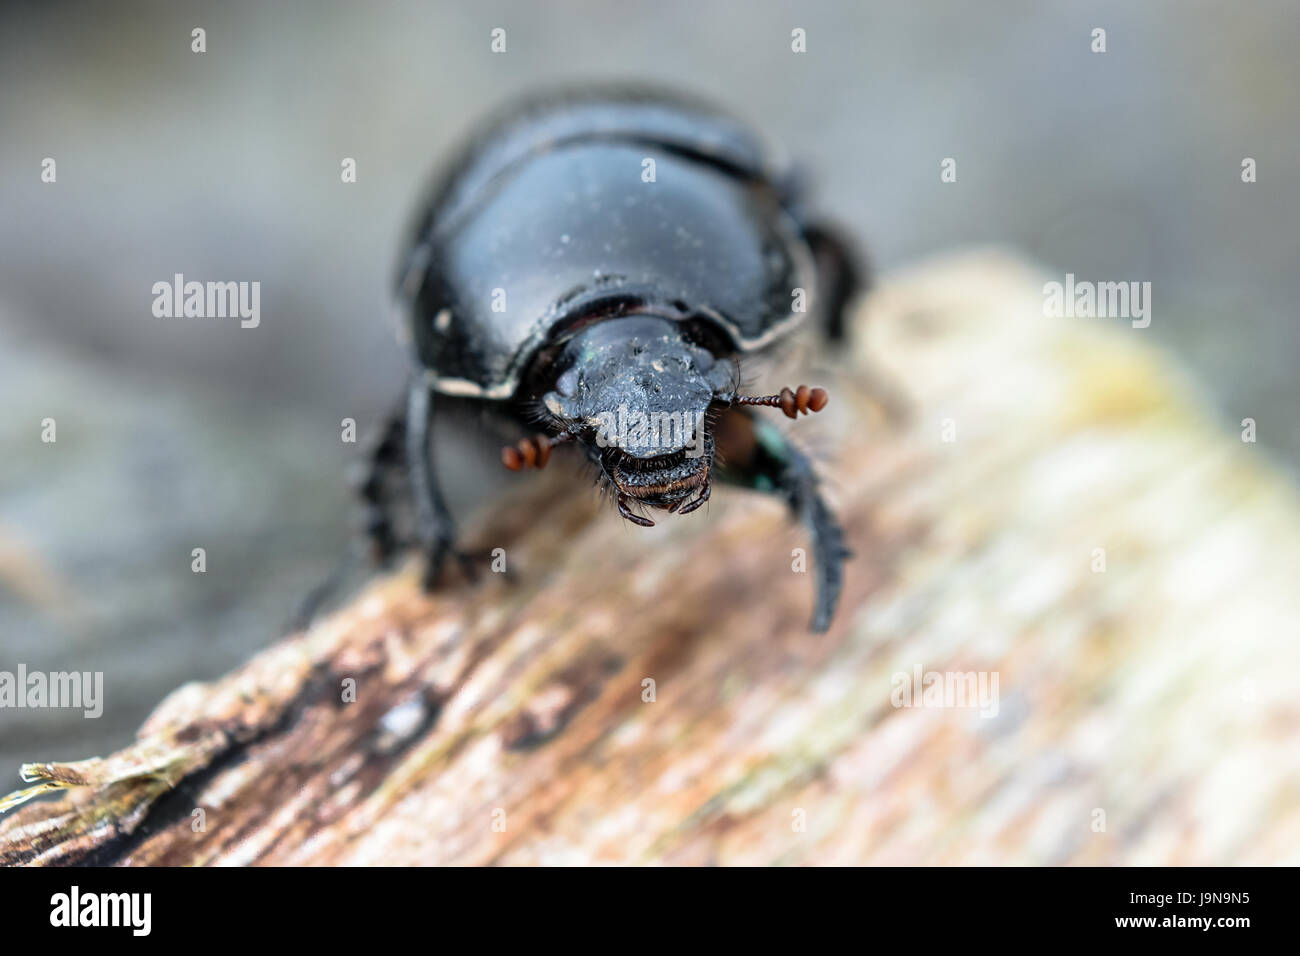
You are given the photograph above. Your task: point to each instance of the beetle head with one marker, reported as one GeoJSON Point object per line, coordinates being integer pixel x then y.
{"type": "Point", "coordinates": [635, 392]}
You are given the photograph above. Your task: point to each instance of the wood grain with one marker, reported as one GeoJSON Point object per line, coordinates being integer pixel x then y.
{"type": "Point", "coordinates": [1145, 713]}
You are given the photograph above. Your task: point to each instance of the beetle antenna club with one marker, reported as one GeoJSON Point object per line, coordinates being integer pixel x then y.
{"type": "Point", "coordinates": [532, 452]}
{"type": "Point", "coordinates": [803, 399]}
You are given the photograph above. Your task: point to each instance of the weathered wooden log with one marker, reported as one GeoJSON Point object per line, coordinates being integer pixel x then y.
{"type": "Point", "coordinates": [1051, 512]}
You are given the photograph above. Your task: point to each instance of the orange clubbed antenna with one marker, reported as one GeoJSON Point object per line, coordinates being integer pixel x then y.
{"type": "Point", "coordinates": [801, 400]}
{"type": "Point", "coordinates": [531, 452]}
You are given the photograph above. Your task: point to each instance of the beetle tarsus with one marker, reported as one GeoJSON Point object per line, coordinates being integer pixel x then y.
{"type": "Point", "coordinates": [632, 516]}
{"type": "Point", "coordinates": [436, 555]}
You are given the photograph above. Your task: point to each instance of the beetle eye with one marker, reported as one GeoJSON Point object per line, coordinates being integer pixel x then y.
{"type": "Point", "coordinates": [703, 360]}
{"type": "Point", "coordinates": [567, 384]}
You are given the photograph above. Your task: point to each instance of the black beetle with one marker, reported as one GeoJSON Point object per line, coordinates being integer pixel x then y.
{"type": "Point", "coordinates": [596, 258]}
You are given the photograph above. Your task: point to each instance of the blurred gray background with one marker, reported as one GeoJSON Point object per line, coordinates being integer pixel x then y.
{"type": "Point", "coordinates": [176, 434]}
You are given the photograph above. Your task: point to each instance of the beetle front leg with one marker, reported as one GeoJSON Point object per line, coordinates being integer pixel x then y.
{"type": "Point", "coordinates": [761, 457]}
{"type": "Point", "coordinates": [797, 484]}
{"type": "Point", "coordinates": [435, 532]}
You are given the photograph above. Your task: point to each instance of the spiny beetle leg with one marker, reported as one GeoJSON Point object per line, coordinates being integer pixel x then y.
{"type": "Point", "coordinates": [434, 530]}
{"type": "Point", "coordinates": [760, 456]}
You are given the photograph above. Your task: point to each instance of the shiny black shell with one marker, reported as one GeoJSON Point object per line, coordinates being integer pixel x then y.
{"type": "Point", "coordinates": [546, 213]}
